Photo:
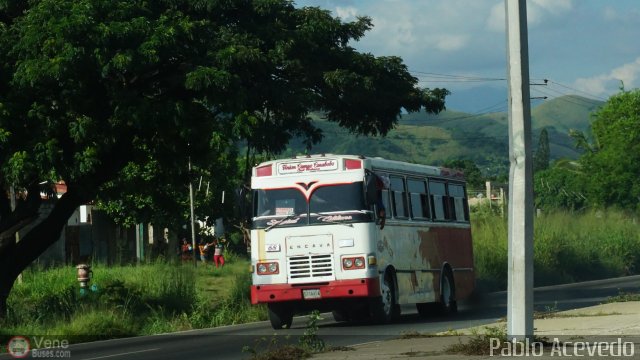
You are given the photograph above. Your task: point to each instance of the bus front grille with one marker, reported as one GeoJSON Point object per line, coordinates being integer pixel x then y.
{"type": "Point", "coordinates": [310, 268]}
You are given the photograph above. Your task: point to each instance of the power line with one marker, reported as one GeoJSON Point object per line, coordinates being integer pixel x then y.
{"type": "Point", "coordinates": [484, 137]}
{"type": "Point", "coordinates": [455, 78]}
{"type": "Point", "coordinates": [449, 78]}
{"type": "Point", "coordinates": [584, 92]}
{"type": "Point", "coordinates": [550, 91]}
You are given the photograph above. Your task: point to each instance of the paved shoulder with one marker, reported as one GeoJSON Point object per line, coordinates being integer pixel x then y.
{"type": "Point", "coordinates": [592, 325]}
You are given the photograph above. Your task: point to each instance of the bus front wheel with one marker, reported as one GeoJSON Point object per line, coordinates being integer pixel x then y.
{"type": "Point", "coordinates": [384, 308]}
{"type": "Point", "coordinates": [280, 316]}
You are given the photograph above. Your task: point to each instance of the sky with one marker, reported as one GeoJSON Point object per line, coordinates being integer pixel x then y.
{"type": "Point", "coordinates": [582, 47]}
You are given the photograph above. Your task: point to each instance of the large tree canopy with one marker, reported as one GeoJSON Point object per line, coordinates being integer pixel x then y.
{"type": "Point", "coordinates": [612, 163]}
{"type": "Point", "coordinates": [113, 97]}
{"type": "Point", "coordinates": [606, 175]}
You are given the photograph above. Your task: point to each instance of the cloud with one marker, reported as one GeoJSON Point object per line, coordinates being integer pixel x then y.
{"type": "Point", "coordinates": [612, 15]}
{"type": "Point", "coordinates": [424, 27]}
{"type": "Point", "coordinates": [346, 13]}
{"type": "Point", "coordinates": [450, 42]}
{"type": "Point", "coordinates": [606, 84]}
{"type": "Point", "coordinates": [537, 12]}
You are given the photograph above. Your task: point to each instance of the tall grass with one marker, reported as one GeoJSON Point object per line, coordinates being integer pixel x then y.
{"type": "Point", "coordinates": [160, 297]}
{"type": "Point", "coordinates": [568, 247]}
{"type": "Point", "coordinates": [131, 300]}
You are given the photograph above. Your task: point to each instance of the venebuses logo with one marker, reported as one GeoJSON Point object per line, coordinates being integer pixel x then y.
{"type": "Point", "coordinates": [18, 346]}
{"type": "Point", "coordinates": [307, 166]}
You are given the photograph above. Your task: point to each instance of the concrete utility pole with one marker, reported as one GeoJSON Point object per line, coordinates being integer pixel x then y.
{"type": "Point", "coordinates": [12, 194]}
{"type": "Point", "coordinates": [520, 278]}
{"type": "Point", "coordinates": [193, 221]}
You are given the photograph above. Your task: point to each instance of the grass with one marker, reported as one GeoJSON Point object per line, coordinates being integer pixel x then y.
{"type": "Point", "coordinates": [161, 297]}
{"type": "Point", "coordinates": [481, 341]}
{"type": "Point", "coordinates": [308, 344]}
{"type": "Point", "coordinates": [623, 297]}
{"type": "Point", "coordinates": [148, 299]}
{"type": "Point", "coordinates": [568, 247]}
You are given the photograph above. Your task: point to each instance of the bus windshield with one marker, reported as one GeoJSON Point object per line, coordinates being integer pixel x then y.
{"type": "Point", "coordinates": [324, 201]}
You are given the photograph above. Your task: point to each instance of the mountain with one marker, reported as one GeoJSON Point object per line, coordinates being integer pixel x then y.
{"type": "Point", "coordinates": [477, 99]}
{"type": "Point", "coordinates": [481, 137]}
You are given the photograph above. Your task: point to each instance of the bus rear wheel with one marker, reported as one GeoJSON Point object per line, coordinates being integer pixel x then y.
{"type": "Point", "coordinates": [280, 316]}
{"type": "Point", "coordinates": [448, 303]}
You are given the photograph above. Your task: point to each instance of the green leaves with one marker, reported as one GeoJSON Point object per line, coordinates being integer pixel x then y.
{"type": "Point", "coordinates": [91, 88]}
{"type": "Point", "coordinates": [19, 168]}
{"type": "Point", "coordinates": [203, 78]}
{"type": "Point", "coordinates": [606, 175]}
{"type": "Point", "coordinates": [613, 169]}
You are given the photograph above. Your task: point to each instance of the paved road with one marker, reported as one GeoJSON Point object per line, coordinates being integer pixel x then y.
{"type": "Point", "coordinates": [227, 342]}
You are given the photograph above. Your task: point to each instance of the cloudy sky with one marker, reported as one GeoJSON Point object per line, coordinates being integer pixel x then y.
{"type": "Point", "coordinates": [583, 47]}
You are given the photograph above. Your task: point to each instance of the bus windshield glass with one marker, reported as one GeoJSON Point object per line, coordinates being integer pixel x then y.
{"type": "Point", "coordinates": [325, 205]}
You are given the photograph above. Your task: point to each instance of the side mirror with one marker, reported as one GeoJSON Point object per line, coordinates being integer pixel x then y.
{"type": "Point", "coordinates": [370, 189]}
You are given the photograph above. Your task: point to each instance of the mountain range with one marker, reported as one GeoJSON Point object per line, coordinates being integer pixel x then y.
{"type": "Point", "coordinates": [452, 135]}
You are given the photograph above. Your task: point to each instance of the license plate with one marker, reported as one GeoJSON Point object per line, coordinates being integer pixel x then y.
{"type": "Point", "coordinates": [311, 293]}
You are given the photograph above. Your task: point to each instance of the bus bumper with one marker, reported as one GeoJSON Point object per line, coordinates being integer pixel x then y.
{"type": "Point", "coordinates": [352, 288]}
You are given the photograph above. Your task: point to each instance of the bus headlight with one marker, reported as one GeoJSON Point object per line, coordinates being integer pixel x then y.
{"type": "Point", "coordinates": [353, 263]}
{"type": "Point", "coordinates": [268, 268]}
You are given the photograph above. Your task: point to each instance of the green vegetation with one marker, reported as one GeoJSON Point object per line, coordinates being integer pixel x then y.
{"type": "Point", "coordinates": [116, 97]}
{"type": "Point", "coordinates": [449, 136]}
{"type": "Point", "coordinates": [161, 297]}
{"type": "Point", "coordinates": [624, 297]}
{"type": "Point", "coordinates": [606, 174]}
{"type": "Point", "coordinates": [308, 344]}
{"type": "Point", "coordinates": [568, 247]}
{"type": "Point", "coordinates": [480, 341]}
{"type": "Point", "coordinates": [131, 300]}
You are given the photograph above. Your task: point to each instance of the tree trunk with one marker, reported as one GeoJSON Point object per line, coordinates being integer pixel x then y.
{"type": "Point", "coordinates": [15, 258]}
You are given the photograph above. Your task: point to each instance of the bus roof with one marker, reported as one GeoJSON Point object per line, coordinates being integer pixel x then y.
{"type": "Point", "coordinates": [335, 163]}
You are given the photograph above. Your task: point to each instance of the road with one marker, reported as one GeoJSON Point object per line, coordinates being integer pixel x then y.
{"type": "Point", "coordinates": [227, 342]}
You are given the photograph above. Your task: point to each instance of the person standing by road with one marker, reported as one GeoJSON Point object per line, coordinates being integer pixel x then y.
{"type": "Point", "coordinates": [202, 249]}
{"type": "Point", "coordinates": [218, 250]}
{"type": "Point", "coordinates": [185, 250]}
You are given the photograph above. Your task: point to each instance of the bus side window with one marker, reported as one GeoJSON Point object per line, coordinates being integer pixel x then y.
{"type": "Point", "coordinates": [419, 203]}
{"type": "Point", "coordinates": [438, 197]}
{"type": "Point", "coordinates": [458, 202]}
{"type": "Point", "coordinates": [398, 197]}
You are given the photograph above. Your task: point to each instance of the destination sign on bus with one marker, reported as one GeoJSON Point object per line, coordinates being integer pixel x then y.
{"type": "Point", "coordinates": [307, 166]}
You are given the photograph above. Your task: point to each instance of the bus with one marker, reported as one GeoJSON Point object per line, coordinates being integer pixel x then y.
{"type": "Point", "coordinates": [358, 236]}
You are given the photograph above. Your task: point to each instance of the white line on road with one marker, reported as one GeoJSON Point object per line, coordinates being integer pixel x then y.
{"type": "Point", "coordinates": [127, 353]}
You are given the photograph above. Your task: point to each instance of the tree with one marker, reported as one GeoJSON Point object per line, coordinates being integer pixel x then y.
{"type": "Point", "coordinates": [113, 97]}
{"type": "Point", "coordinates": [611, 163]}
{"type": "Point", "coordinates": [560, 187]}
{"type": "Point", "coordinates": [472, 173]}
{"type": "Point", "coordinates": [541, 158]}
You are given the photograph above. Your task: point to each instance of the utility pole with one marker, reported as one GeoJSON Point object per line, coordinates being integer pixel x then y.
{"type": "Point", "coordinates": [520, 267]}
{"type": "Point", "coordinates": [12, 194]}
{"type": "Point", "coordinates": [193, 225]}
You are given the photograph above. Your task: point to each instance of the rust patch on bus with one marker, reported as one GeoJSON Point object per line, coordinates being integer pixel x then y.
{"type": "Point", "coordinates": [428, 249]}
{"type": "Point", "coordinates": [414, 281]}
{"type": "Point", "coordinates": [384, 245]}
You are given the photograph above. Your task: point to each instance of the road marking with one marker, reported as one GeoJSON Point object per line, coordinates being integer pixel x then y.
{"type": "Point", "coordinates": [127, 353]}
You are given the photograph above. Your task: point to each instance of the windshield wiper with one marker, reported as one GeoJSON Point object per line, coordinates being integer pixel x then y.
{"type": "Point", "coordinates": [288, 217]}
{"type": "Point", "coordinates": [331, 221]}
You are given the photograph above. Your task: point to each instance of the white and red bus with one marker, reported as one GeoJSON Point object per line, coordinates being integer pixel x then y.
{"type": "Point", "coordinates": [319, 241]}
